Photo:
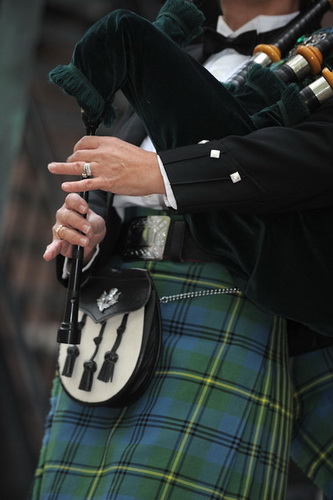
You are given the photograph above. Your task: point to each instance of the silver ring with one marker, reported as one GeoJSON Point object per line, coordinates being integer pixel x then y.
{"type": "Point", "coordinates": [86, 170]}
{"type": "Point", "coordinates": [57, 231]}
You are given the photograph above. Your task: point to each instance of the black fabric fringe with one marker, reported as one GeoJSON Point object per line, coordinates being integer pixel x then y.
{"type": "Point", "coordinates": [73, 82]}
{"type": "Point", "coordinates": [183, 15]}
{"type": "Point", "coordinates": [286, 112]}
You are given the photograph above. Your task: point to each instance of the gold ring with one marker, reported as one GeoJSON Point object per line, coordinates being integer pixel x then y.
{"type": "Point", "coordinates": [86, 170]}
{"type": "Point", "coordinates": [57, 231]}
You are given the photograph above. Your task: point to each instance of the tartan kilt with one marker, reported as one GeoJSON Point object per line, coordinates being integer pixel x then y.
{"type": "Point", "coordinates": [312, 442]}
{"type": "Point", "coordinates": [215, 422]}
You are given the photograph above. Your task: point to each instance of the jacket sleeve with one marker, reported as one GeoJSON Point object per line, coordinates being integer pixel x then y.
{"type": "Point", "coordinates": [275, 169]}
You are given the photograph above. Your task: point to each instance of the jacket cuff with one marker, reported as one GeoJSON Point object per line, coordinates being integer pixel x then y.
{"type": "Point", "coordinates": [205, 176]}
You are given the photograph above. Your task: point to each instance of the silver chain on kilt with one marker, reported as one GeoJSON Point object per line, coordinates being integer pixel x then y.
{"type": "Point", "coordinates": [200, 293]}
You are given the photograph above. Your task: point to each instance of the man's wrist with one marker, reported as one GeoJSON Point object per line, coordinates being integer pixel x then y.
{"type": "Point", "coordinates": [88, 263]}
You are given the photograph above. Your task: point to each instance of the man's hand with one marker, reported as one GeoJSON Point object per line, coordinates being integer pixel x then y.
{"type": "Point", "coordinates": [72, 228]}
{"type": "Point", "coordinates": [116, 166]}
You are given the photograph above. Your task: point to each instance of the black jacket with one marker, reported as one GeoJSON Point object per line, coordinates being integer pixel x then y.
{"type": "Point", "coordinates": [273, 229]}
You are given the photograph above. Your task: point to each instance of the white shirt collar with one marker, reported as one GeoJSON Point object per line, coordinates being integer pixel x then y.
{"type": "Point", "coordinates": [260, 23]}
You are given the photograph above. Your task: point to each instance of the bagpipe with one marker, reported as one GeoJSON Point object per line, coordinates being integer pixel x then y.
{"type": "Point", "coordinates": [107, 59]}
{"type": "Point", "coordinates": [181, 104]}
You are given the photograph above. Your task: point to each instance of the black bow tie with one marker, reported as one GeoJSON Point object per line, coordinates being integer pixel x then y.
{"type": "Point", "coordinates": [244, 43]}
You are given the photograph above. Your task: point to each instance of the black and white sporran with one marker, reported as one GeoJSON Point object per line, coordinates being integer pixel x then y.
{"type": "Point", "coordinates": [120, 341]}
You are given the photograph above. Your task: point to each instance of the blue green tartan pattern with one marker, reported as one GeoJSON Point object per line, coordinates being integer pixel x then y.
{"type": "Point", "coordinates": [312, 443]}
{"type": "Point", "coordinates": [215, 422]}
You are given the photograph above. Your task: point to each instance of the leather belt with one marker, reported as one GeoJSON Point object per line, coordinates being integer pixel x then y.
{"type": "Point", "coordinates": [159, 237]}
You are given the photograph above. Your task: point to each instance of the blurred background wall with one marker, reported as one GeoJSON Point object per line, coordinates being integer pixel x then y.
{"type": "Point", "coordinates": [39, 124]}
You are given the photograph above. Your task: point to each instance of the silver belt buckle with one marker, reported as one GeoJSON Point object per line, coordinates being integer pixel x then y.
{"type": "Point", "coordinates": [146, 237]}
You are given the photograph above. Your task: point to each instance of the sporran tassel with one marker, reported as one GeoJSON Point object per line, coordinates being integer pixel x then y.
{"type": "Point", "coordinates": [107, 370]}
{"type": "Point", "coordinates": [111, 357]}
{"type": "Point", "coordinates": [87, 376]}
{"type": "Point", "coordinates": [72, 354]}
